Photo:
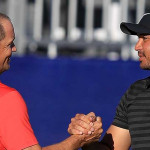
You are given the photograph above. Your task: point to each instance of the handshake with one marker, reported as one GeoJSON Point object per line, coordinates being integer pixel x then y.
{"type": "Point", "coordinates": [86, 128]}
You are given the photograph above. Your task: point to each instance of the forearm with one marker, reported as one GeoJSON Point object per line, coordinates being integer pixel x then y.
{"type": "Point", "coordinates": [96, 146]}
{"type": "Point", "coordinates": [74, 142]}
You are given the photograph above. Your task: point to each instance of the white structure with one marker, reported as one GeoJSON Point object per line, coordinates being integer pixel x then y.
{"type": "Point", "coordinates": [28, 19]}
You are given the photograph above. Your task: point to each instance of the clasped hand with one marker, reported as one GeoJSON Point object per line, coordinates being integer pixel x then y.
{"type": "Point", "coordinates": [88, 125]}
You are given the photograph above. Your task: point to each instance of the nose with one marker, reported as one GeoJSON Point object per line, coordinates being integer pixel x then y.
{"type": "Point", "coordinates": [138, 45]}
{"type": "Point", "coordinates": [14, 49]}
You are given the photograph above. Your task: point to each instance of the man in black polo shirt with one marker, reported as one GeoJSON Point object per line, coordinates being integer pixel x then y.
{"type": "Point", "coordinates": [131, 125]}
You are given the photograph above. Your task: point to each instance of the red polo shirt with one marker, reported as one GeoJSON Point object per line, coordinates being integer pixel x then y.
{"type": "Point", "coordinates": [15, 130]}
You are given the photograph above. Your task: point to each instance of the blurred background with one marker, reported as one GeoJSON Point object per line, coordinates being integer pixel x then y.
{"type": "Point", "coordinates": [72, 58]}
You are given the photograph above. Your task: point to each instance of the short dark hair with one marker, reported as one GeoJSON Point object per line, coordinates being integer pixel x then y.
{"type": "Point", "coordinates": [2, 31]}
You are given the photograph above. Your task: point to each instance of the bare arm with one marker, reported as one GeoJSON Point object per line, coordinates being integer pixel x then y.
{"type": "Point", "coordinates": [74, 142]}
{"type": "Point", "coordinates": [115, 139]}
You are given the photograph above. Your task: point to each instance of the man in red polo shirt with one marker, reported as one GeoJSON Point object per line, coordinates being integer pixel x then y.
{"type": "Point", "coordinates": [15, 130]}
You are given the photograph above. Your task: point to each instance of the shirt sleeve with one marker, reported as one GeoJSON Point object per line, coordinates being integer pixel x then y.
{"type": "Point", "coordinates": [121, 119]}
{"type": "Point", "coordinates": [15, 130]}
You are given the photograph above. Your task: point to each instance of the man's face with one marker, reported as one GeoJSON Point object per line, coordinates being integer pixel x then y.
{"type": "Point", "coordinates": [6, 46]}
{"type": "Point", "coordinates": [143, 48]}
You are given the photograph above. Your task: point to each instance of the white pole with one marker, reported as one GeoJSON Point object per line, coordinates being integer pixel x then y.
{"type": "Point", "coordinates": [89, 18]}
{"type": "Point", "coordinates": [55, 19]}
{"type": "Point", "coordinates": [17, 13]}
{"type": "Point", "coordinates": [140, 10]}
{"type": "Point", "coordinates": [124, 8]}
{"type": "Point", "coordinates": [72, 19]}
{"type": "Point", "coordinates": [38, 22]}
{"type": "Point", "coordinates": [106, 17]}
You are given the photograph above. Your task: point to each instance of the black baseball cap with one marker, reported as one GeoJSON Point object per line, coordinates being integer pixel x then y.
{"type": "Point", "coordinates": [142, 28]}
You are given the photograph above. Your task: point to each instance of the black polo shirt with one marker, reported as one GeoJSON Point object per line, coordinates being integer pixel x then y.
{"type": "Point", "coordinates": [133, 113]}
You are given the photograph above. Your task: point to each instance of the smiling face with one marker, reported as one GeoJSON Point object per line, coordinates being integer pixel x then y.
{"type": "Point", "coordinates": [6, 45]}
{"type": "Point", "coordinates": [143, 48]}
